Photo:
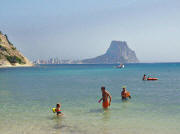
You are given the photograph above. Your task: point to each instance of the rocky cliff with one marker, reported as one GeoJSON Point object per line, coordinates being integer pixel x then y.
{"type": "Point", "coordinates": [9, 55]}
{"type": "Point", "coordinates": [118, 52]}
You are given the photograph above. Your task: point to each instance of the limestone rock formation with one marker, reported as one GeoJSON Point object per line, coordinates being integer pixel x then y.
{"type": "Point", "coordinates": [118, 53]}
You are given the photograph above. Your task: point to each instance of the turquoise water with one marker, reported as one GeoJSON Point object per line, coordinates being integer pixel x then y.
{"type": "Point", "coordinates": [27, 96]}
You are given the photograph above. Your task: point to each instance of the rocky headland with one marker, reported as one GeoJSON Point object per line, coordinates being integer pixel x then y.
{"type": "Point", "coordinates": [10, 56]}
{"type": "Point", "coordinates": [117, 53]}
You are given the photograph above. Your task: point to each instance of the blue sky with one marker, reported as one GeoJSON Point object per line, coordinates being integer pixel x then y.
{"type": "Point", "coordinates": [77, 29]}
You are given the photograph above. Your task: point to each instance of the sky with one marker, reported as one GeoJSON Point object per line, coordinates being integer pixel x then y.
{"type": "Point", "coordinates": [79, 29]}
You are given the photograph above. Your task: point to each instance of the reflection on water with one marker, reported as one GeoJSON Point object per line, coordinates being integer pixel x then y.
{"type": "Point", "coordinates": [99, 110]}
{"type": "Point", "coordinates": [105, 119]}
{"type": "Point", "coordinates": [60, 125]}
{"type": "Point", "coordinates": [59, 122]}
{"type": "Point", "coordinates": [106, 115]}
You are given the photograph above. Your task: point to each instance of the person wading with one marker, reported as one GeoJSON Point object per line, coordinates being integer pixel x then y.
{"type": "Point", "coordinates": [106, 97]}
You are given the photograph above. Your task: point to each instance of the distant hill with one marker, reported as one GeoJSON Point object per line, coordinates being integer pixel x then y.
{"type": "Point", "coordinates": [9, 55]}
{"type": "Point", "coordinates": [118, 53]}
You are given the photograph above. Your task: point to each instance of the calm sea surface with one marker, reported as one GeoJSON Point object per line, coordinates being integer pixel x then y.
{"type": "Point", "coordinates": [27, 96]}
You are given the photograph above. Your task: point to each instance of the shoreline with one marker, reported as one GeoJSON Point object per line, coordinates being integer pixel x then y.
{"type": "Point", "coordinates": [14, 66]}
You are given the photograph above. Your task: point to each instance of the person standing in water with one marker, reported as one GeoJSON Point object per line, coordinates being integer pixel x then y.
{"type": "Point", "coordinates": [144, 77]}
{"type": "Point", "coordinates": [125, 94]}
{"type": "Point", "coordinates": [106, 97]}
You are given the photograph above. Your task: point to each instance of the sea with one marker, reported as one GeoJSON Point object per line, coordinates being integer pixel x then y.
{"type": "Point", "coordinates": [27, 96]}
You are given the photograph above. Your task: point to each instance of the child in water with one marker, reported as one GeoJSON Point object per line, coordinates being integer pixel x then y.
{"type": "Point", "coordinates": [58, 110]}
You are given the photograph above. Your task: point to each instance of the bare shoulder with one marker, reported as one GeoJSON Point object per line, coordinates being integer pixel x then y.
{"type": "Point", "coordinates": [108, 93]}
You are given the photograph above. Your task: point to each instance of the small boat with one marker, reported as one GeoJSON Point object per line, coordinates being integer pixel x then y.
{"type": "Point", "coordinates": [120, 66]}
{"type": "Point", "coordinates": [152, 78]}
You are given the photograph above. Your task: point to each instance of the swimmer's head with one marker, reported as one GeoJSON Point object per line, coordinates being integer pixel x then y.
{"type": "Point", "coordinates": [103, 88]}
{"type": "Point", "coordinates": [58, 105]}
{"type": "Point", "coordinates": [124, 88]}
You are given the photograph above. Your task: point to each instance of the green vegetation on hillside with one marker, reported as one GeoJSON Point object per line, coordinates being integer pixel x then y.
{"type": "Point", "coordinates": [14, 48]}
{"type": "Point", "coordinates": [14, 59]}
{"type": "Point", "coordinates": [8, 40]}
{"type": "Point", "coordinates": [2, 48]}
